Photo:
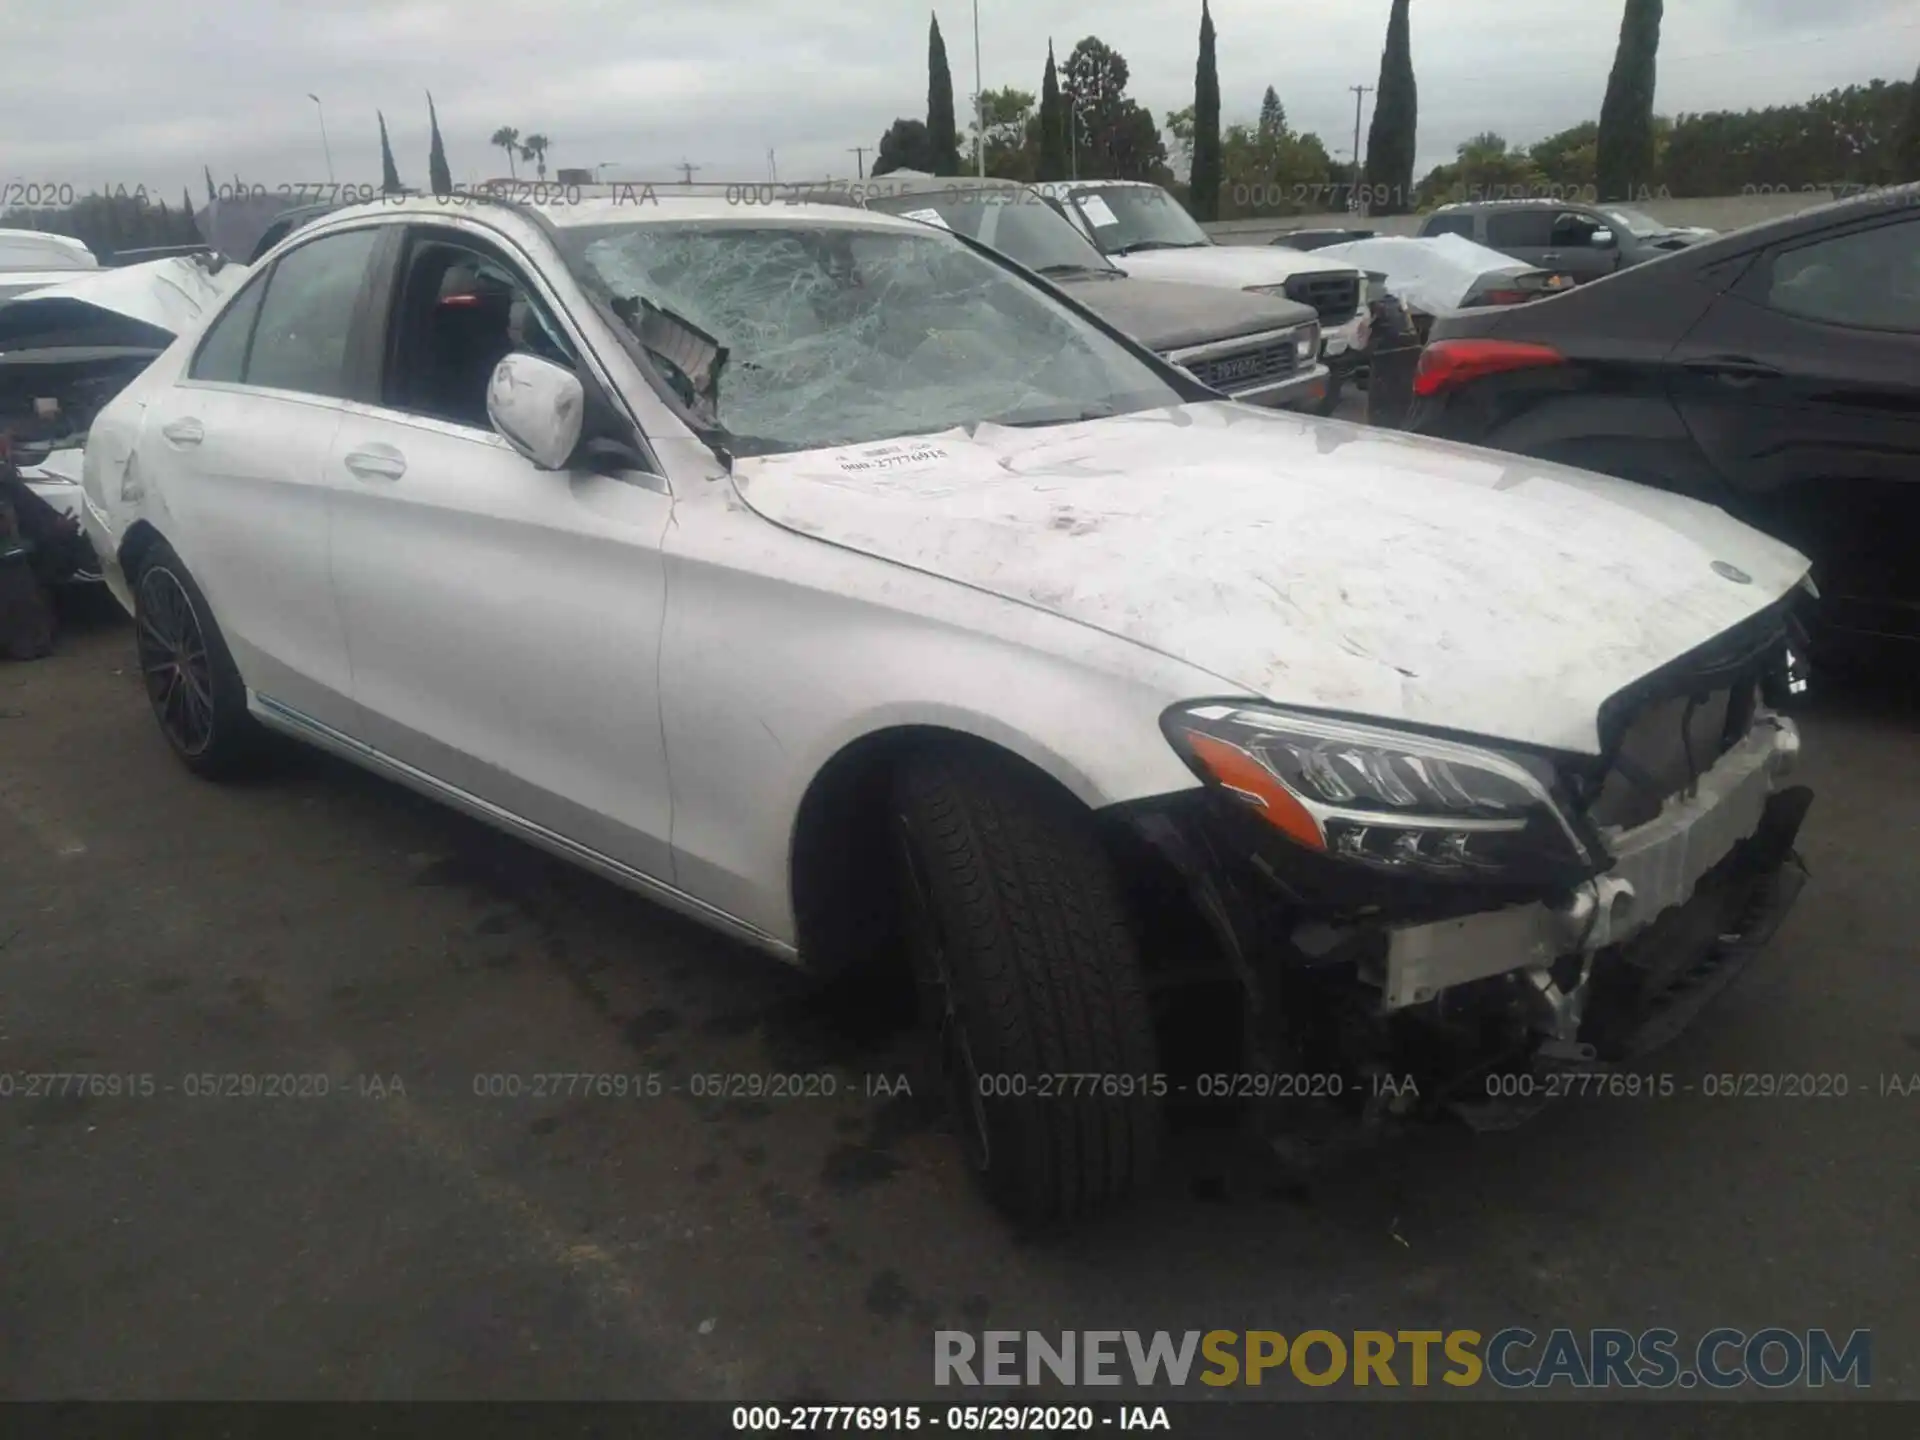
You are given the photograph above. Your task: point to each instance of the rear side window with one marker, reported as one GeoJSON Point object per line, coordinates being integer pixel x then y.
{"type": "Point", "coordinates": [1520, 228]}
{"type": "Point", "coordinates": [223, 353]}
{"type": "Point", "coordinates": [1869, 280]}
{"type": "Point", "coordinates": [300, 342]}
{"type": "Point", "coordinates": [1451, 225]}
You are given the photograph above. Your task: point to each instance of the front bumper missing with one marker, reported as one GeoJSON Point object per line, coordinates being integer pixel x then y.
{"type": "Point", "coordinates": [1657, 869]}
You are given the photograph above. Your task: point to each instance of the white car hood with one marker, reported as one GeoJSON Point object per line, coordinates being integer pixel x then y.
{"type": "Point", "coordinates": [1240, 266]}
{"type": "Point", "coordinates": [1433, 274]}
{"type": "Point", "coordinates": [1314, 563]}
{"type": "Point", "coordinates": [169, 295]}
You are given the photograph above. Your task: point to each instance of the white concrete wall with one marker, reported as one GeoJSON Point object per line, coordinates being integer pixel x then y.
{"type": "Point", "coordinates": [1729, 212]}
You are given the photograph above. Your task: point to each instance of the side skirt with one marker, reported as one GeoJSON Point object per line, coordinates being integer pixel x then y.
{"type": "Point", "coordinates": [306, 729]}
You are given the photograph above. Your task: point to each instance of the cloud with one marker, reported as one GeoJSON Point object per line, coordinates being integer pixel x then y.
{"type": "Point", "coordinates": [142, 93]}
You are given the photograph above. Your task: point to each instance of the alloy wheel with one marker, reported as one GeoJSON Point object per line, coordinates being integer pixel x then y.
{"type": "Point", "coordinates": [174, 662]}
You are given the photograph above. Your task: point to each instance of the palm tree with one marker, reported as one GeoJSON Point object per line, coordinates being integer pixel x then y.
{"type": "Point", "coordinates": [534, 148]}
{"type": "Point", "coordinates": [508, 139]}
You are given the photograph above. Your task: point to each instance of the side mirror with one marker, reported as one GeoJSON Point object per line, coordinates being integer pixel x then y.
{"type": "Point", "coordinates": [538, 408]}
{"type": "Point", "coordinates": [1601, 240]}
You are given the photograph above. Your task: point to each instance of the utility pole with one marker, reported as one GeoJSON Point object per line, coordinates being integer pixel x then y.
{"type": "Point", "coordinates": [979, 94]}
{"type": "Point", "coordinates": [859, 152]}
{"type": "Point", "coordinates": [1360, 93]}
{"type": "Point", "coordinates": [686, 171]}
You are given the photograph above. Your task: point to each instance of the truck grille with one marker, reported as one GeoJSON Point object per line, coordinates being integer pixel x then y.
{"type": "Point", "coordinates": [1335, 297]}
{"type": "Point", "coordinates": [1238, 371]}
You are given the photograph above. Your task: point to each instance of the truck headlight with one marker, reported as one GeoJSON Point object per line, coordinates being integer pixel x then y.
{"type": "Point", "coordinates": [1306, 344]}
{"type": "Point", "coordinates": [1387, 799]}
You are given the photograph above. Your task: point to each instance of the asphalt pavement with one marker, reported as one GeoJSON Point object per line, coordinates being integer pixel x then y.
{"type": "Point", "coordinates": [377, 1222]}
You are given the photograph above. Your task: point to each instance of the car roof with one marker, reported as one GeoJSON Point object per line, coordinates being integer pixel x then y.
{"type": "Point", "coordinates": [630, 205]}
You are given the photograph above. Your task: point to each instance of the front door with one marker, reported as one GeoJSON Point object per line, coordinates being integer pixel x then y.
{"type": "Point", "coordinates": [503, 622]}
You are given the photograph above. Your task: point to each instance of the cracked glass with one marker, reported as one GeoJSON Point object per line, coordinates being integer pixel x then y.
{"type": "Point", "coordinates": [837, 335]}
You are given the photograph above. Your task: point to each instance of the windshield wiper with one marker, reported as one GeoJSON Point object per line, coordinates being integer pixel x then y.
{"type": "Point", "coordinates": [1159, 245]}
{"type": "Point", "coordinates": [1064, 269]}
{"type": "Point", "coordinates": [1097, 412]}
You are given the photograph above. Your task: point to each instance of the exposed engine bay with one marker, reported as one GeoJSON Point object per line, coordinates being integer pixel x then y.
{"type": "Point", "coordinates": [48, 404]}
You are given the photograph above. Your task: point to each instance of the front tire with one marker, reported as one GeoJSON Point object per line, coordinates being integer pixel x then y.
{"type": "Point", "coordinates": [1031, 981]}
{"type": "Point", "coordinates": [192, 683]}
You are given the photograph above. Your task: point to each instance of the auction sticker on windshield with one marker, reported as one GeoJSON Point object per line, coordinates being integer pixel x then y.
{"type": "Point", "coordinates": [930, 217]}
{"type": "Point", "coordinates": [1097, 210]}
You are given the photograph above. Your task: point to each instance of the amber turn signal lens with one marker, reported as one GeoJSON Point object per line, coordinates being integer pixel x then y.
{"type": "Point", "coordinates": [1252, 782]}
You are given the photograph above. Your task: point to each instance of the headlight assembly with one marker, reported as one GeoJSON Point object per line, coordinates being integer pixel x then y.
{"type": "Point", "coordinates": [1306, 344]}
{"type": "Point", "coordinates": [1386, 799]}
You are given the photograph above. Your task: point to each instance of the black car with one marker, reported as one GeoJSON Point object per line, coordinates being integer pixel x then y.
{"type": "Point", "coordinates": [1774, 372]}
{"type": "Point", "coordinates": [1584, 241]}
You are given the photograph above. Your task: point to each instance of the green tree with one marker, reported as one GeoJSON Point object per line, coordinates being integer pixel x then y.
{"type": "Point", "coordinates": [1013, 134]}
{"type": "Point", "coordinates": [508, 139]}
{"type": "Point", "coordinates": [1624, 154]}
{"type": "Point", "coordinates": [190, 228]}
{"type": "Point", "coordinates": [1273, 115]}
{"type": "Point", "coordinates": [1117, 139]}
{"type": "Point", "coordinates": [389, 172]}
{"type": "Point", "coordinates": [1905, 164]}
{"type": "Point", "coordinates": [905, 146]}
{"type": "Point", "coordinates": [439, 177]}
{"type": "Point", "coordinates": [1204, 183]}
{"type": "Point", "coordinates": [1396, 121]}
{"type": "Point", "coordinates": [1566, 160]}
{"type": "Point", "coordinates": [1179, 125]}
{"type": "Point", "coordinates": [212, 194]}
{"type": "Point", "coordinates": [1053, 125]}
{"type": "Point", "coordinates": [1486, 168]}
{"type": "Point", "coordinates": [535, 148]}
{"type": "Point", "coordinates": [941, 132]}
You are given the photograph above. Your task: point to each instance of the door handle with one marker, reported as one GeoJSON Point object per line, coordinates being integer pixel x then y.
{"type": "Point", "coordinates": [1732, 369]}
{"type": "Point", "coordinates": [187, 431]}
{"type": "Point", "coordinates": [378, 462]}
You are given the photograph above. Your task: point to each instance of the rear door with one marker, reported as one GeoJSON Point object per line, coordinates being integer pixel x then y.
{"type": "Point", "coordinates": [1524, 234]}
{"type": "Point", "coordinates": [1802, 385]}
{"type": "Point", "coordinates": [239, 446]}
{"type": "Point", "coordinates": [503, 621]}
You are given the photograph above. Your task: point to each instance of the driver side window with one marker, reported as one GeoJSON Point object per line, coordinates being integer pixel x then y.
{"type": "Point", "coordinates": [460, 309]}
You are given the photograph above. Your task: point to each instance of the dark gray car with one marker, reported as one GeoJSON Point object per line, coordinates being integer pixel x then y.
{"type": "Point", "coordinates": [1582, 240]}
{"type": "Point", "coordinates": [1257, 348]}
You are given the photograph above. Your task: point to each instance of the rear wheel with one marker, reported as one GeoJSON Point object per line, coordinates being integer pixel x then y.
{"type": "Point", "coordinates": [192, 683]}
{"type": "Point", "coordinates": [1030, 982]}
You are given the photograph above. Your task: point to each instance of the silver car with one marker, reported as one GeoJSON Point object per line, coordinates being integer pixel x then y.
{"type": "Point", "coordinates": [818, 575]}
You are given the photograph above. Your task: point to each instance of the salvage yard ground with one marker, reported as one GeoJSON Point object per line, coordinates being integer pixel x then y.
{"type": "Point", "coordinates": [407, 1237]}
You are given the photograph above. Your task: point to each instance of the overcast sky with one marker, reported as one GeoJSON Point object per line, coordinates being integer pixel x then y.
{"type": "Point", "coordinates": [132, 92]}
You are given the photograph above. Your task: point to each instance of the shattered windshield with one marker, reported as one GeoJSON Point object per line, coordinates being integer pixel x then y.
{"type": "Point", "coordinates": [1017, 223]}
{"type": "Point", "coordinates": [1128, 218]}
{"type": "Point", "coordinates": [834, 335]}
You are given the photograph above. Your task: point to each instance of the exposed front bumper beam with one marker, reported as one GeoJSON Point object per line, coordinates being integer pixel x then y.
{"type": "Point", "coordinates": [1656, 867]}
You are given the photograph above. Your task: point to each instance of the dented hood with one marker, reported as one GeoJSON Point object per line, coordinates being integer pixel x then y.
{"type": "Point", "coordinates": [1314, 563]}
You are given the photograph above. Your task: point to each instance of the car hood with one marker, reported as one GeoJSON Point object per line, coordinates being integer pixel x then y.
{"type": "Point", "coordinates": [1314, 563]}
{"type": "Point", "coordinates": [1239, 266]}
{"type": "Point", "coordinates": [140, 306]}
{"type": "Point", "coordinates": [1164, 316]}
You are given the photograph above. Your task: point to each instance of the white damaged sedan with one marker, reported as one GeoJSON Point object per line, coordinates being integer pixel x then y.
{"type": "Point", "coordinates": [825, 577]}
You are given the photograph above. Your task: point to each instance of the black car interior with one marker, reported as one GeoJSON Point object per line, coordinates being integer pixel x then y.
{"type": "Point", "coordinates": [460, 313]}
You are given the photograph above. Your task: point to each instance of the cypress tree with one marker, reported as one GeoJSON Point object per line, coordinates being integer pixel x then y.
{"type": "Point", "coordinates": [1273, 115]}
{"type": "Point", "coordinates": [1396, 121]}
{"type": "Point", "coordinates": [941, 134]}
{"type": "Point", "coordinates": [439, 177]}
{"type": "Point", "coordinates": [1204, 183]}
{"type": "Point", "coordinates": [190, 227]}
{"type": "Point", "coordinates": [1624, 156]}
{"type": "Point", "coordinates": [1053, 124]}
{"type": "Point", "coordinates": [389, 172]}
{"type": "Point", "coordinates": [212, 194]}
